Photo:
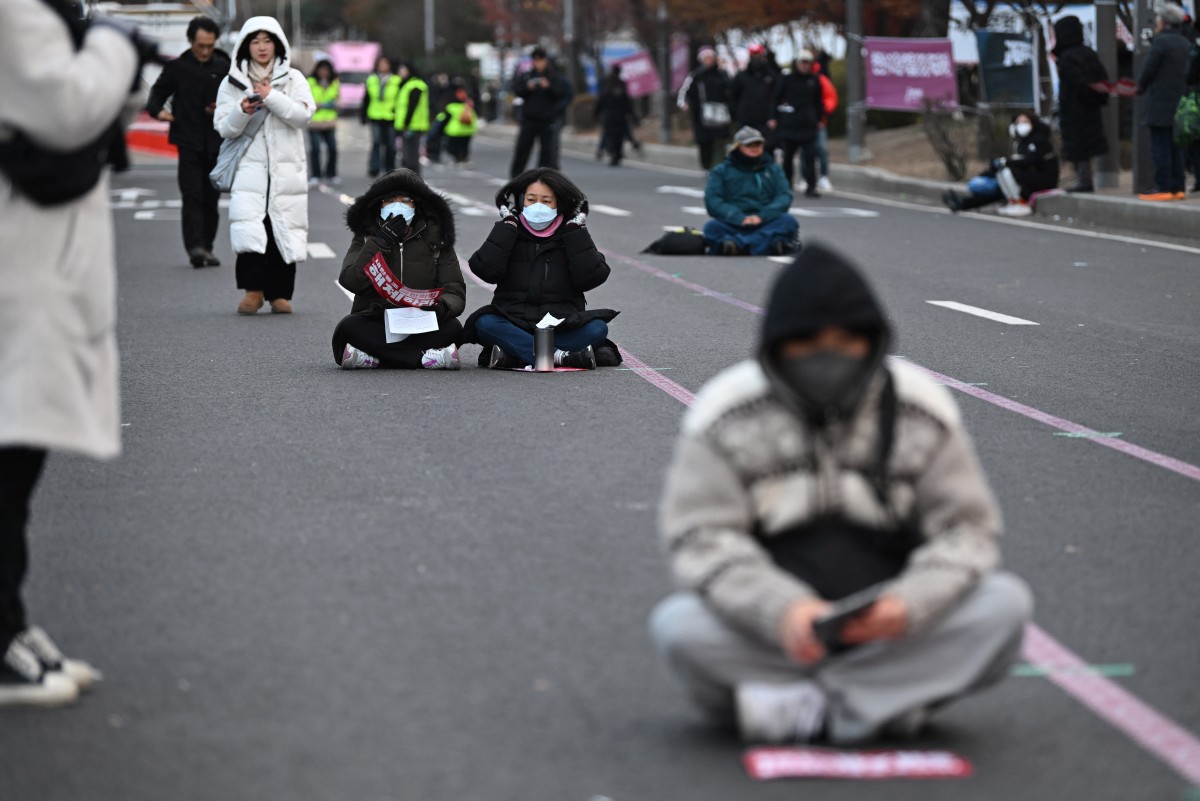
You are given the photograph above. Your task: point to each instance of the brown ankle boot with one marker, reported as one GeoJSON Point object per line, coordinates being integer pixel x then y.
{"type": "Point", "coordinates": [281, 306]}
{"type": "Point", "coordinates": [251, 303]}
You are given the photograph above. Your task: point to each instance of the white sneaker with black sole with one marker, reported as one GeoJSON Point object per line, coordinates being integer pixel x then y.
{"type": "Point", "coordinates": [355, 359]}
{"type": "Point", "coordinates": [580, 359]}
{"type": "Point", "coordinates": [24, 681]}
{"type": "Point", "coordinates": [441, 359]}
{"type": "Point", "coordinates": [51, 656]}
{"type": "Point", "coordinates": [780, 713]}
{"type": "Point", "coordinates": [823, 185]}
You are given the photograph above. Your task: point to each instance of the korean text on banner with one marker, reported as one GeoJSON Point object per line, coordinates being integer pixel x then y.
{"type": "Point", "coordinates": [910, 74]}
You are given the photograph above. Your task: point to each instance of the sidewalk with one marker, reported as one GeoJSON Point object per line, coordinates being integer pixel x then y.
{"type": "Point", "coordinates": [1108, 210]}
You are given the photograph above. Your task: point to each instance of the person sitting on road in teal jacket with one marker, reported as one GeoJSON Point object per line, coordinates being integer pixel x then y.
{"type": "Point", "coordinates": [748, 198]}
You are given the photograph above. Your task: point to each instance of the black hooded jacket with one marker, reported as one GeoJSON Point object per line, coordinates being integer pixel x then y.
{"type": "Point", "coordinates": [1079, 105]}
{"type": "Point", "coordinates": [193, 86]}
{"type": "Point", "coordinates": [538, 275]}
{"type": "Point", "coordinates": [425, 258]}
{"type": "Point", "coordinates": [751, 95]}
{"type": "Point", "coordinates": [820, 289]}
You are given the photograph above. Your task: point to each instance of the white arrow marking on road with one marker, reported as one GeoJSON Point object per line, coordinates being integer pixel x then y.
{"type": "Point", "coordinates": [132, 193]}
{"type": "Point", "coordinates": [615, 212]}
{"type": "Point", "coordinates": [319, 250]}
{"type": "Point", "coordinates": [686, 191]}
{"type": "Point", "coordinates": [978, 312]}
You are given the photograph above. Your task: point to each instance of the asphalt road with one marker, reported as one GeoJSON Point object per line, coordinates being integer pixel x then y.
{"type": "Point", "coordinates": [303, 583]}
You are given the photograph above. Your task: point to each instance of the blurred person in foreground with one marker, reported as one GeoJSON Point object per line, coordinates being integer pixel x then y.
{"type": "Point", "coordinates": [65, 86]}
{"type": "Point", "coordinates": [812, 472]}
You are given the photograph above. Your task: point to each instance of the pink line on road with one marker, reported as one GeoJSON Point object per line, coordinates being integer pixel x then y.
{"type": "Point", "coordinates": [1128, 448]}
{"type": "Point", "coordinates": [657, 379]}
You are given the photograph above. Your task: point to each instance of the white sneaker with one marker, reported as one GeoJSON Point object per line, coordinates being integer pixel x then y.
{"type": "Point", "coordinates": [38, 641]}
{"type": "Point", "coordinates": [1015, 210]}
{"type": "Point", "coordinates": [824, 185]}
{"type": "Point", "coordinates": [355, 359]}
{"type": "Point", "coordinates": [780, 713]}
{"type": "Point", "coordinates": [802, 186]}
{"type": "Point", "coordinates": [313, 183]}
{"type": "Point", "coordinates": [25, 682]}
{"type": "Point", "coordinates": [441, 359]}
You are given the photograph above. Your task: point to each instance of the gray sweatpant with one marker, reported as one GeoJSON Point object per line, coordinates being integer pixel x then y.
{"type": "Point", "coordinates": [970, 647]}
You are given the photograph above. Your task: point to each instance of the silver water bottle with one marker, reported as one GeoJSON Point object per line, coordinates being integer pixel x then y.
{"type": "Point", "coordinates": [543, 349]}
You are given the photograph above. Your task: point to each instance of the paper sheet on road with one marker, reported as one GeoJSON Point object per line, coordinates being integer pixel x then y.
{"type": "Point", "coordinates": [399, 323]}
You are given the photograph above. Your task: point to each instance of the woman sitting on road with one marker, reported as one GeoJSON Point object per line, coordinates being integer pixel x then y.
{"type": "Point", "coordinates": [542, 259]}
{"type": "Point", "coordinates": [1033, 167]}
{"type": "Point", "coordinates": [268, 207]}
{"type": "Point", "coordinates": [402, 255]}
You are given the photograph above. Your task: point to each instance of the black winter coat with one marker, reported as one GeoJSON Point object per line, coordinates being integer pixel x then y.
{"type": "Point", "coordinates": [1164, 77]}
{"type": "Point", "coordinates": [711, 85]}
{"type": "Point", "coordinates": [535, 276]}
{"type": "Point", "coordinates": [194, 88]}
{"type": "Point", "coordinates": [1033, 162]}
{"type": "Point", "coordinates": [541, 103]}
{"type": "Point", "coordinates": [615, 111]}
{"type": "Point", "coordinates": [425, 258]}
{"type": "Point", "coordinates": [751, 95]}
{"type": "Point", "coordinates": [1079, 106]}
{"type": "Point", "coordinates": [797, 107]}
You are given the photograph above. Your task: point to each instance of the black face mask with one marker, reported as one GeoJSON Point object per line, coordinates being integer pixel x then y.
{"type": "Point", "coordinates": [827, 383]}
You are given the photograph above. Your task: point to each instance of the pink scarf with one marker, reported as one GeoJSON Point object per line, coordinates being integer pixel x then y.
{"type": "Point", "coordinates": [551, 228]}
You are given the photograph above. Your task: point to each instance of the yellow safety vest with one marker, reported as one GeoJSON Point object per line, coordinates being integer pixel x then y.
{"type": "Point", "coordinates": [420, 120]}
{"type": "Point", "coordinates": [453, 117]}
{"type": "Point", "coordinates": [321, 96]}
{"type": "Point", "coordinates": [382, 106]}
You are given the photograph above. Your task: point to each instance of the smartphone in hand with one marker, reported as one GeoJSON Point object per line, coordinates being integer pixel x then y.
{"type": "Point", "coordinates": [828, 627]}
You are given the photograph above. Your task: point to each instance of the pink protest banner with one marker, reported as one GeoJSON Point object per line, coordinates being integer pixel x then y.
{"type": "Point", "coordinates": [908, 74]}
{"type": "Point", "coordinates": [640, 74]}
{"type": "Point", "coordinates": [827, 763]}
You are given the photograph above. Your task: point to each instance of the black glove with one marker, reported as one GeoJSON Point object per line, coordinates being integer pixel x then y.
{"type": "Point", "coordinates": [391, 232]}
{"type": "Point", "coordinates": [579, 218]}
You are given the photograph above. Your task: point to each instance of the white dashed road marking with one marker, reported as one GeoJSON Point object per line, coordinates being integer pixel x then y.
{"type": "Point", "coordinates": [978, 312]}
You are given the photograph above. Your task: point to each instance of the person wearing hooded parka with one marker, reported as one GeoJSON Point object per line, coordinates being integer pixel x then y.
{"type": "Point", "coordinates": [402, 250]}
{"type": "Point", "coordinates": [542, 259]}
{"type": "Point", "coordinates": [1080, 117]}
{"type": "Point", "coordinates": [806, 476]}
{"type": "Point", "coordinates": [268, 208]}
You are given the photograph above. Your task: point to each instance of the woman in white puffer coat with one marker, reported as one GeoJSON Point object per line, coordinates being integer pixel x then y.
{"type": "Point", "coordinates": [268, 211]}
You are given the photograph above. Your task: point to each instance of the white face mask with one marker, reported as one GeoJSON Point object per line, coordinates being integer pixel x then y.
{"type": "Point", "coordinates": [539, 216]}
{"type": "Point", "coordinates": [397, 208]}
{"type": "Point", "coordinates": [1020, 130]}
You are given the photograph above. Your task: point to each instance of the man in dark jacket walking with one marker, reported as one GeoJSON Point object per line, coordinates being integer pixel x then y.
{"type": "Point", "coordinates": [1163, 81]}
{"type": "Point", "coordinates": [796, 113]}
{"type": "Point", "coordinates": [1079, 104]}
{"type": "Point", "coordinates": [752, 91]}
{"type": "Point", "coordinates": [541, 93]}
{"type": "Point", "coordinates": [706, 93]}
{"type": "Point", "coordinates": [190, 83]}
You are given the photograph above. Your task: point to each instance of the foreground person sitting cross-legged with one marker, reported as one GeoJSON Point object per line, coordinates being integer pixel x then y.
{"type": "Point", "coordinates": [402, 255]}
{"type": "Point", "coordinates": [541, 258]}
{"type": "Point", "coordinates": [811, 473]}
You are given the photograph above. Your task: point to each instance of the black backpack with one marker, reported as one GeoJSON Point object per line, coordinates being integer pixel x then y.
{"type": "Point", "coordinates": [686, 241]}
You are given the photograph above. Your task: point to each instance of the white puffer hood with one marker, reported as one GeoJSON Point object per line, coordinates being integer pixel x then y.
{"type": "Point", "coordinates": [251, 27]}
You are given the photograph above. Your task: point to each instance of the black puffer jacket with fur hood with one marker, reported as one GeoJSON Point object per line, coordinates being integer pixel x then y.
{"type": "Point", "coordinates": [425, 259]}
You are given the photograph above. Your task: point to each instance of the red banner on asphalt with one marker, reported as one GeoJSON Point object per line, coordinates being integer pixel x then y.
{"type": "Point", "coordinates": [827, 763]}
{"type": "Point", "coordinates": [390, 288]}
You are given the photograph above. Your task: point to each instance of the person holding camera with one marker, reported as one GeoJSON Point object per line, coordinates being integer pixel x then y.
{"type": "Point", "coordinates": [804, 477]}
{"type": "Point", "coordinates": [402, 254]}
{"type": "Point", "coordinates": [268, 208]}
{"type": "Point", "coordinates": [541, 93]}
{"type": "Point", "coordinates": [65, 87]}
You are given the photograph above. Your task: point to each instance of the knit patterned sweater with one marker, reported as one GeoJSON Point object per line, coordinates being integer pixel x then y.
{"type": "Point", "coordinates": [745, 464]}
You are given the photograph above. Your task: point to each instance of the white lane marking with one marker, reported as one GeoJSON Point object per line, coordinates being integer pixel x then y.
{"type": "Point", "coordinates": [131, 193]}
{"type": "Point", "coordinates": [978, 312]}
{"type": "Point", "coordinates": [703, 212]}
{"type": "Point", "coordinates": [1128, 240]}
{"type": "Point", "coordinates": [832, 211]}
{"type": "Point", "coordinates": [158, 215]}
{"type": "Point", "coordinates": [319, 250]}
{"type": "Point", "coordinates": [781, 259]}
{"type": "Point", "coordinates": [343, 289]}
{"type": "Point", "coordinates": [686, 191]}
{"type": "Point", "coordinates": [471, 211]}
{"type": "Point", "coordinates": [610, 210]}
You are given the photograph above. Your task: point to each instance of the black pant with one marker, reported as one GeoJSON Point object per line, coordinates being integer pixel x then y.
{"type": "Point", "coordinates": [315, 138]}
{"type": "Point", "coordinates": [366, 334]}
{"type": "Point", "coordinates": [266, 272]}
{"type": "Point", "coordinates": [20, 469]}
{"type": "Point", "coordinates": [459, 148]}
{"type": "Point", "coordinates": [543, 132]}
{"type": "Point", "coordinates": [410, 157]}
{"type": "Point", "coordinates": [199, 213]}
{"type": "Point", "coordinates": [808, 161]}
{"type": "Point", "coordinates": [383, 147]}
{"type": "Point", "coordinates": [1168, 160]}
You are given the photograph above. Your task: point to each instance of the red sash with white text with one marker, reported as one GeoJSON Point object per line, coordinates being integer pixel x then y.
{"type": "Point", "coordinates": [389, 287]}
